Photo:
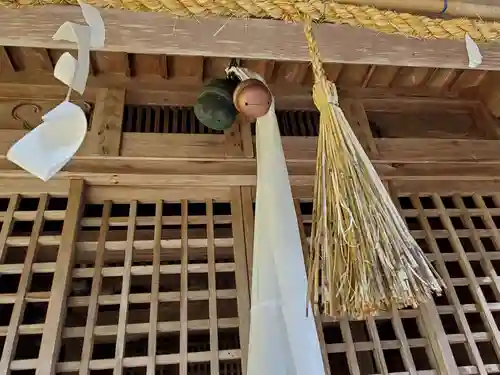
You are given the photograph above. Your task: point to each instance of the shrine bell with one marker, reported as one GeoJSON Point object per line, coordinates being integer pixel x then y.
{"type": "Point", "coordinates": [252, 98]}
{"type": "Point", "coordinates": [214, 107]}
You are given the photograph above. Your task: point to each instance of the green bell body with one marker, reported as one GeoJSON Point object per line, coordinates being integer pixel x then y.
{"type": "Point", "coordinates": [214, 107]}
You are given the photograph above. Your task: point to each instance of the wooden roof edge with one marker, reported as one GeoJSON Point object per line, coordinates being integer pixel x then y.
{"type": "Point", "coordinates": [157, 33]}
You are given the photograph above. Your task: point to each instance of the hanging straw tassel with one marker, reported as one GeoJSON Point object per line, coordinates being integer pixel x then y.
{"type": "Point", "coordinates": [363, 258]}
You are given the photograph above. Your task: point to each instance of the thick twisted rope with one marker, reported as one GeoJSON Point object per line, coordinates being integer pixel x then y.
{"type": "Point", "coordinates": [294, 10]}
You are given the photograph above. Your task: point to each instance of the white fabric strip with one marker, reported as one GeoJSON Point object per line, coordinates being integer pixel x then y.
{"type": "Point", "coordinates": [283, 338]}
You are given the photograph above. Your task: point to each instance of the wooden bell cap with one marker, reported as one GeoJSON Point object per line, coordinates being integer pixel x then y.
{"type": "Point", "coordinates": [252, 98]}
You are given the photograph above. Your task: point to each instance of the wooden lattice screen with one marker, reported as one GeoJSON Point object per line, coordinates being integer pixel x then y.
{"type": "Point", "coordinates": [460, 234]}
{"type": "Point", "coordinates": [160, 285]}
{"type": "Point", "coordinates": [156, 288]}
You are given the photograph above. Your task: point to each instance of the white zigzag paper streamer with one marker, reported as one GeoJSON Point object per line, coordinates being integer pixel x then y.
{"type": "Point", "coordinates": [45, 150]}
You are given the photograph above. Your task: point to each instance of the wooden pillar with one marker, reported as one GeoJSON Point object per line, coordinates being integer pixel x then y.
{"type": "Point", "coordinates": [248, 220]}
{"type": "Point", "coordinates": [56, 312]}
{"type": "Point", "coordinates": [106, 126]}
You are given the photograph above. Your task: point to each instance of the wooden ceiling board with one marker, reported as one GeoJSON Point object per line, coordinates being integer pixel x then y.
{"type": "Point", "coordinates": [33, 59]}
{"type": "Point", "coordinates": [411, 77]}
{"type": "Point", "coordinates": [441, 79]}
{"type": "Point", "coordinates": [265, 68]}
{"type": "Point", "coordinates": [111, 63]}
{"type": "Point", "coordinates": [148, 66]}
{"type": "Point", "coordinates": [353, 75]}
{"type": "Point", "coordinates": [189, 68]}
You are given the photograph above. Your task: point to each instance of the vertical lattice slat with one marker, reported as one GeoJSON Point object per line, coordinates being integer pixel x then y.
{"type": "Point", "coordinates": [56, 311]}
{"type": "Point", "coordinates": [377, 346]}
{"type": "Point", "coordinates": [240, 261]}
{"type": "Point", "coordinates": [88, 338]}
{"type": "Point", "coordinates": [351, 350]}
{"type": "Point", "coordinates": [184, 290]}
{"type": "Point", "coordinates": [7, 225]}
{"type": "Point", "coordinates": [155, 290]}
{"type": "Point", "coordinates": [174, 120]}
{"type": "Point", "coordinates": [405, 349]}
{"type": "Point", "coordinates": [212, 291]}
{"type": "Point", "coordinates": [122, 318]}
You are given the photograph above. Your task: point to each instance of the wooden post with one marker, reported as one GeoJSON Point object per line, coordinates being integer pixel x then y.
{"type": "Point", "coordinates": [248, 219]}
{"type": "Point", "coordinates": [56, 312]}
{"type": "Point", "coordinates": [106, 126]}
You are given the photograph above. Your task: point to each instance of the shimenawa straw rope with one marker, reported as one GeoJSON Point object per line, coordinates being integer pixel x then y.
{"type": "Point", "coordinates": [385, 21]}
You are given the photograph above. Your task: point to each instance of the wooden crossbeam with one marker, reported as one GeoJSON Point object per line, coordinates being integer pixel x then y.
{"type": "Point", "coordinates": [119, 173]}
{"type": "Point", "coordinates": [158, 33]}
{"type": "Point", "coordinates": [179, 92]}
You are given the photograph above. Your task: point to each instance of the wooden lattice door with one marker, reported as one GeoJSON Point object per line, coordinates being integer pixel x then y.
{"type": "Point", "coordinates": [159, 283]}
{"type": "Point", "coordinates": [457, 333]}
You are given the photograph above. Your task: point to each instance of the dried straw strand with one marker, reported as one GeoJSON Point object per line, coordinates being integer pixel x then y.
{"type": "Point", "coordinates": [363, 258]}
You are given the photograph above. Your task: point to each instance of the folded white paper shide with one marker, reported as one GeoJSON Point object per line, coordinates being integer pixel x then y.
{"type": "Point", "coordinates": [473, 52]}
{"type": "Point", "coordinates": [45, 150]}
{"type": "Point", "coordinates": [48, 147]}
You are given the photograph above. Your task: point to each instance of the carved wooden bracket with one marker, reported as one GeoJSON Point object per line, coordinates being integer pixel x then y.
{"type": "Point", "coordinates": [23, 111]}
{"type": "Point", "coordinates": [17, 115]}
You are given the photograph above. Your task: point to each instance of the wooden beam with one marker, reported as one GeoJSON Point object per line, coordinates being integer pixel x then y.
{"type": "Point", "coordinates": [106, 127]}
{"type": "Point", "coordinates": [56, 311]}
{"type": "Point", "coordinates": [159, 33]}
{"type": "Point", "coordinates": [150, 172]}
{"type": "Point", "coordinates": [183, 92]}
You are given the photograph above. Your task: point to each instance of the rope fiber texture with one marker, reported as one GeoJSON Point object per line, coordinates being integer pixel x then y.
{"type": "Point", "coordinates": [385, 21]}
